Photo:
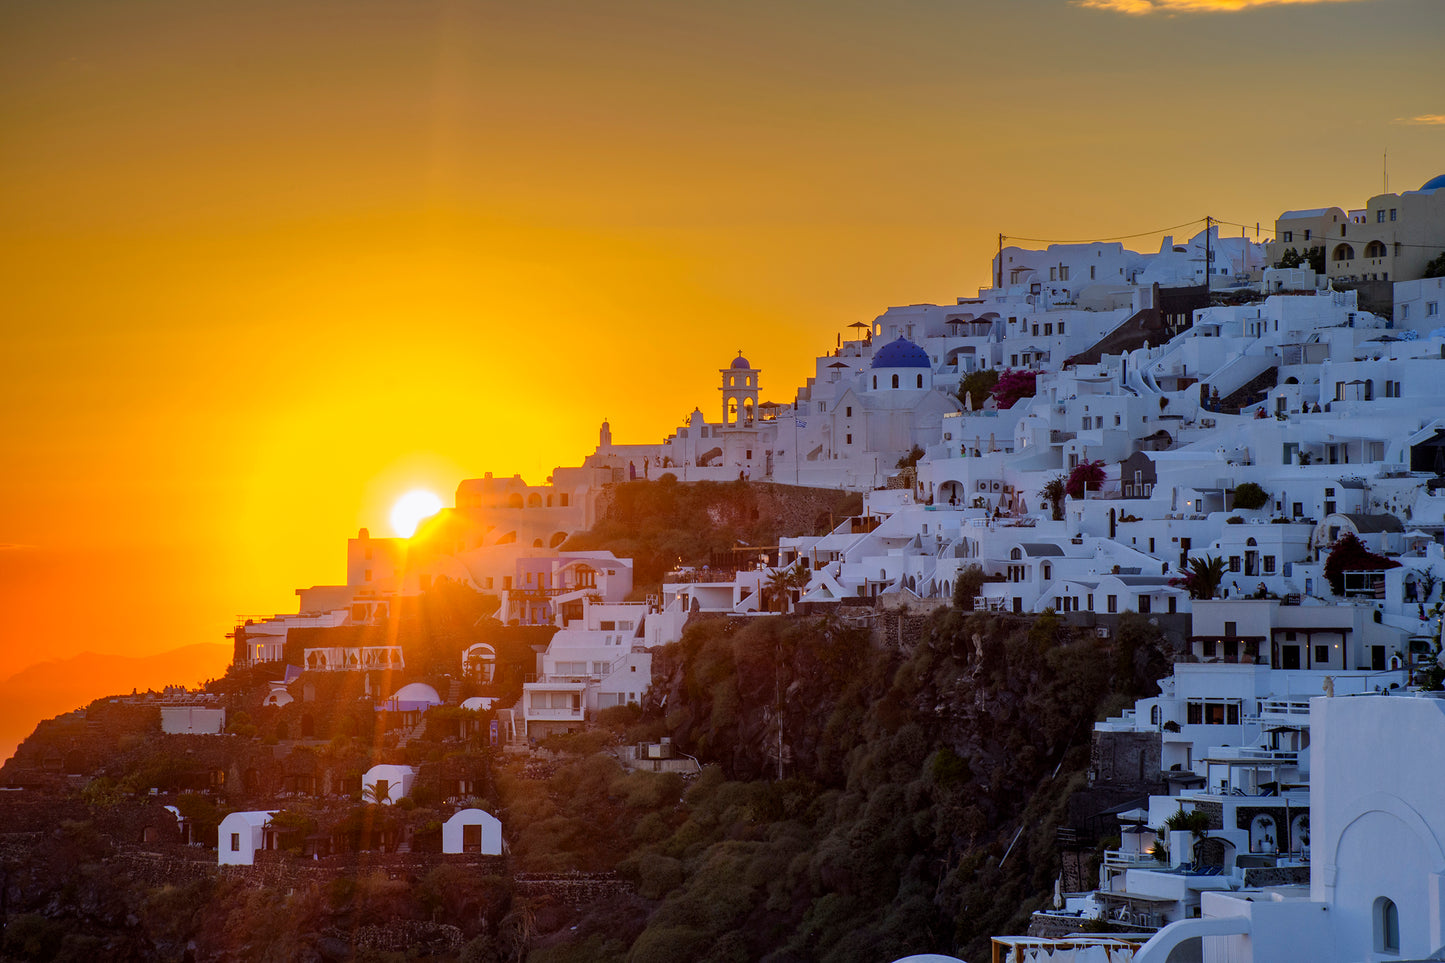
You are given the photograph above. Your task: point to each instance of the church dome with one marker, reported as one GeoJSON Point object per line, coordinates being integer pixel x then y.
{"type": "Point", "coordinates": [901, 354]}
{"type": "Point", "coordinates": [1434, 183]}
{"type": "Point", "coordinates": [740, 362]}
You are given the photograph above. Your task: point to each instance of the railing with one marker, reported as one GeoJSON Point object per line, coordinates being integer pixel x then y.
{"type": "Point", "coordinates": [711, 575]}
{"type": "Point", "coordinates": [1283, 707]}
{"type": "Point", "coordinates": [549, 713]}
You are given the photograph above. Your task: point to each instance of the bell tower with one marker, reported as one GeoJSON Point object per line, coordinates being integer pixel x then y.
{"type": "Point", "coordinates": [740, 392]}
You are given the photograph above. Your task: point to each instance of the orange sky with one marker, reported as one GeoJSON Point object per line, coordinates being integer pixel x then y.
{"type": "Point", "coordinates": [264, 266]}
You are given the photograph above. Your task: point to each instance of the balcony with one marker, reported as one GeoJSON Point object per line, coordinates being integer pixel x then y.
{"type": "Point", "coordinates": [551, 714]}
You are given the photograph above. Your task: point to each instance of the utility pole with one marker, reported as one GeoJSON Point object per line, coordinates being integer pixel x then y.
{"type": "Point", "coordinates": [1208, 252]}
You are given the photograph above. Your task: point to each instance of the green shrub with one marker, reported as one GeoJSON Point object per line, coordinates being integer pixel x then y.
{"type": "Point", "coordinates": [1250, 496]}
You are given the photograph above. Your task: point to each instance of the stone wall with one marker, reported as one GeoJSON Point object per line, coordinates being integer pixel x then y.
{"type": "Point", "coordinates": [280, 870]}
{"type": "Point", "coordinates": [1214, 810]}
{"type": "Point", "coordinates": [572, 889]}
{"type": "Point", "coordinates": [1126, 760]}
{"type": "Point", "coordinates": [900, 620]}
{"type": "Point", "coordinates": [1276, 876]}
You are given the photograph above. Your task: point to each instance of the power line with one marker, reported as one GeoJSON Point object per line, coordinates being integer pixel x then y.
{"type": "Point", "coordinates": [1097, 240]}
{"type": "Point", "coordinates": [1342, 237]}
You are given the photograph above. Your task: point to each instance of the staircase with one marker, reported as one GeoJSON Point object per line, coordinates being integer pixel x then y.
{"type": "Point", "coordinates": [454, 692]}
{"type": "Point", "coordinates": [1141, 326]}
{"type": "Point", "coordinates": [1250, 392]}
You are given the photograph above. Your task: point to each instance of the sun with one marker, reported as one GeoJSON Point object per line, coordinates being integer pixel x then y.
{"type": "Point", "coordinates": [411, 508]}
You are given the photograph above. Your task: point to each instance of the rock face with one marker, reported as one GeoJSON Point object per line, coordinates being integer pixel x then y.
{"type": "Point", "coordinates": [952, 744]}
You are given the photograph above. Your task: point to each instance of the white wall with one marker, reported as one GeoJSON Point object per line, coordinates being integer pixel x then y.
{"type": "Point", "coordinates": [398, 780]}
{"type": "Point", "coordinates": [1377, 821]}
{"type": "Point", "coordinates": [452, 832]}
{"type": "Point", "coordinates": [249, 832]}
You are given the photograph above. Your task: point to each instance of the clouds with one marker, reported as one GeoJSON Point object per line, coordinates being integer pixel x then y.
{"type": "Point", "coordinates": [1422, 120]}
{"type": "Point", "coordinates": [1143, 7]}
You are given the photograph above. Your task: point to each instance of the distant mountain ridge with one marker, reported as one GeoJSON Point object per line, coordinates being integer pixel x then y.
{"type": "Point", "coordinates": [55, 686]}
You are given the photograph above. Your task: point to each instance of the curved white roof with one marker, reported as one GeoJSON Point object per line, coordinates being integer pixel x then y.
{"type": "Point", "coordinates": [418, 692]}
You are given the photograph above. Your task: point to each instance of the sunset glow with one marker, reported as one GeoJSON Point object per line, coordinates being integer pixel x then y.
{"type": "Point", "coordinates": [411, 509]}
{"type": "Point", "coordinates": [266, 265]}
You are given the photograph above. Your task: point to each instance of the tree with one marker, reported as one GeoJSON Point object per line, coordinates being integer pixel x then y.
{"type": "Point", "coordinates": [1316, 257]}
{"type": "Point", "coordinates": [1250, 496]}
{"type": "Point", "coordinates": [377, 793]}
{"type": "Point", "coordinates": [977, 385]}
{"type": "Point", "coordinates": [1349, 554]}
{"type": "Point", "coordinates": [1428, 580]}
{"type": "Point", "coordinates": [967, 585]}
{"type": "Point", "coordinates": [910, 459]}
{"type": "Point", "coordinates": [1053, 492]}
{"type": "Point", "coordinates": [778, 585]}
{"type": "Point", "coordinates": [1086, 475]}
{"type": "Point", "coordinates": [1436, 268]}
{"type": "Point", "coordinates": [1202, 577]}
{"type": "Point", "coordinates": [1289, 259]}
{"type": "Point", "coordinates": [1014, 385]}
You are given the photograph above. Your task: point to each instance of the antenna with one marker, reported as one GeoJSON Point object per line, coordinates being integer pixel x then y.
{"type": "Point", "coordinates": [1385, 171]}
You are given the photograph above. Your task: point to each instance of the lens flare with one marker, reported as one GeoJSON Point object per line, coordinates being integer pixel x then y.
{"type": "Point", "coordinates": [411, 508]}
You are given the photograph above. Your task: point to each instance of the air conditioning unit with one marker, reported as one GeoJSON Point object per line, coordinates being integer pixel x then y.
{"type": "Point", "coordinates": [1102, 631]}
{"type": "Point", "coordinates": [983, 486]}
{"type": "Point", "coordinates": [997, 486]}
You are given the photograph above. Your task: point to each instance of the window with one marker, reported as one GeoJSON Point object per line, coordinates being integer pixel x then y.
{"type": "Point", "coordinates": [1063, 272]}
{"type": "Point", "coordinates": [1432, 308]}
{"type": "Point", "coordinates": [235, 842]}
{"type": "Point", "coordinates": [1061, 327]}
{"type": "Point", "coordinates": [1112, 603]}
{"type": "Point", "coordinates": [875, 386]}
{"type": "Point", "coordinates": [1307, 234]}
{"type": "Point", "coordinates": [1053, 274]}
{"type": "Point", "coordinates": [848, 412]}
{"type": "Point", "coordinates": [848, 439]}
{"type": "Point", "coordinates": [1231, 628]}
{"type": "Point", "coordinates": [1286, 236]}
{"type": "Point", "coordinates": [920, 381]}
{"type": "Point", "coordinates": [1380, 216]}
{"type": "Point", "coordinates": [895, 381]}
{"type": "Point", "coordinates": [1269, 565]}
{"type": "Point", "coordinates": [1091, 272]}
{"type": "Point", "coordinates": [1387, 925]}
{"type": "Point", "coordinates": [1322, 655]}
{"type": "Point", "coordinates": [1048, 329]}
{"type": "Point", "coordinates": [1234, 563]}
{"type": "Point", "coordinates": [1144, 605]}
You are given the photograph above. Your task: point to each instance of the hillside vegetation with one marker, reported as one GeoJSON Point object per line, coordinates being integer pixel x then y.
{"type": "Point", "coordinates": [906, 776]}
{"type": "Point", "coordinates": [859, 799]}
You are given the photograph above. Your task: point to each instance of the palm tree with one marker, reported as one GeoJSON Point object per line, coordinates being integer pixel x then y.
{"type": "Point", "coordinates": [378, 792]}
{"type": "Point", "coordinates": [779, 580]}
{"type": "Point", "coordinates": [1203, 576]}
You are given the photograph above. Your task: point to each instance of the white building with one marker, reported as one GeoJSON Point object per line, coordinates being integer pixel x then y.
{"type": "Point", "coordinates": [472, 831]}
{"type": "Point", "coordinates": [1377, 876]}
{"type": "Point", "coordinates": [385, 784]}
{"type": "Point", "coordinates": [240, 835]}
